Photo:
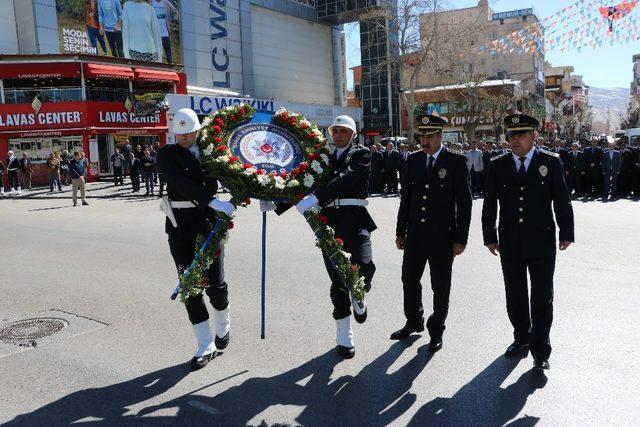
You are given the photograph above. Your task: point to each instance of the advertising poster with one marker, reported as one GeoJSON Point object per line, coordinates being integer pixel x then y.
{"type": "Point", "coordinates": [145, 30]}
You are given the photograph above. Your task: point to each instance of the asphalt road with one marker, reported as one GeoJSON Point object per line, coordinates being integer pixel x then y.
{"type": "Point", "coordinates": [106, 269]}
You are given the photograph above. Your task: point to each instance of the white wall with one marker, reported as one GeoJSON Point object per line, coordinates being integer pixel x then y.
{"type": "Point", "coordinates": [292, 58]}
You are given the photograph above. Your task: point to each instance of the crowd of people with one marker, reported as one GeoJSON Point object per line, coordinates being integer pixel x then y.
{"type": "Point", "coordinates": [140, 165]}
{"type": "Point", "coordinates": [595, 168]}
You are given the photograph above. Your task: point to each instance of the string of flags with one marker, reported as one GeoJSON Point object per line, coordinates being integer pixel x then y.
{"type": "Point", "coordinates": [580, 25]}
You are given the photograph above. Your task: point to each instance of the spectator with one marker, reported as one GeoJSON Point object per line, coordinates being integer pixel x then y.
{"type": "Point", "coordinates": [64, 168]}
{"type": "Point", "coordinates": [154, 155]}
{"type": "Point", "coordinates": [26, 168]}
{"type": "Point", "coordinates": [85, 161]}
{"type": "Point", "coordinates": [1, 178]}
{"type": "Point", "coordinates": [391, 166]}
{"type": "Point", "coordinates": [53, 167]}
{"type": "Point", "coordinates": [139, 154]}
{"type": "Point", "coordinates": [126, 150]}
{"type": "Point", "coordinates": [377, 166]}
{"type": "Point", "coordinates": [148, 166]}
{"type": "Point", "coordinates": [77, 172]}
{"type": "Point", "coordinates": [13, 165]}
{"type": "Point", "coordinates": [134, 173]}
{"type": "Point", "coordinates": [475, 164]}
{"type": "Point", "coordinates": [117, 160]}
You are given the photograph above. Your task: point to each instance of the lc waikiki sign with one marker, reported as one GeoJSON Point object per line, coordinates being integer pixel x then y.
{"type": "Point", "coordinates": [219, 53]}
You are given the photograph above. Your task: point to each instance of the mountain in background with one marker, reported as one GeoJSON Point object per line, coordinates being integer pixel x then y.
{"type": "Point", "coordinates": [615, 99]}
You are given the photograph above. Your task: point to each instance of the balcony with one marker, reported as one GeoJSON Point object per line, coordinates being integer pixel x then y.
{"type": "Point", "coordinates": [26, 95]}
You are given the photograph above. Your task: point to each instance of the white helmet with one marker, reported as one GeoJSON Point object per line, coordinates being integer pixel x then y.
{"type": "Point", "coordinates": [345, 121]}
{"type": "Point", "coordinates": [185, 120]}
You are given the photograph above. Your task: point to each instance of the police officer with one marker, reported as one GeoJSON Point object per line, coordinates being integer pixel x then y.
{"type": "Point", "coordinates": [526, 182]}
{"type": "Point", "coordinates": [433, 225]}
{"type": "Point", "coordinates": [343, 202]}
{"type": "Point", "coordinates": [191, 198]}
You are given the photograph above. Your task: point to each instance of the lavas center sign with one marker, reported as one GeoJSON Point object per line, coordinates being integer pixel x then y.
{"type": "Point", "coordinates": [53, 118]}
{"type": "Point", "coordinates": [148, 31]}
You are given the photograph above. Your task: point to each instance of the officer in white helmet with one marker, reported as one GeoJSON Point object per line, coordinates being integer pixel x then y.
{"type": "Point", "coordinates": [343, 202]}
{"type": "Point", "coordinates": [190, 204]}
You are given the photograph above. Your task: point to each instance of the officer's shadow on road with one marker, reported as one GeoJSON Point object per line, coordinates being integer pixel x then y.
{"type": "Point", "coordinates": [482, 402]}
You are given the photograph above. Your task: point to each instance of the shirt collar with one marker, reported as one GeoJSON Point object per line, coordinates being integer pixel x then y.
{"type": "Point", "coordinates": [436, 154]}
{"type": "Point", "coordinates": [195, 150]}
{"type": "Point", "coordinates": [339, 151]}
{"type": "Point", "coordinates": [528, 156]}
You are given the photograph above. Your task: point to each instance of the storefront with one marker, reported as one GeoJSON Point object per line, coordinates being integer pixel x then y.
{"type": "Point", "coordinates": [50, 107]}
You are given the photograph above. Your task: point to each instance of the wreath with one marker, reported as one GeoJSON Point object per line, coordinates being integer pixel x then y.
{"type": "Point", "coordinates": [244, 181]}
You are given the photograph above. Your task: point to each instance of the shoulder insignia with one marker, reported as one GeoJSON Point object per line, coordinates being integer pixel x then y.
{"type": "Point", "coordinates": [499, 156]}
{"type": "Point", "coordinates": [452, 151]}
{"type": "Point", "coordinates": [549, 153]}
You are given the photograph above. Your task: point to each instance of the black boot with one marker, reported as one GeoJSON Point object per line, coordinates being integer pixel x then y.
{"type": "Point", "coordinates": [200, 362]}
{"type": "Point", "coordinates": [408, 329]}
{"type": "Point", "coordinates": [516, 349]}
{"type": "Point", "coordinates": [222, 343]}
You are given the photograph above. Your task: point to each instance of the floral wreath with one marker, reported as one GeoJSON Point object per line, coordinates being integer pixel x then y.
{"type": "Point", "coordinates": [244, 181]}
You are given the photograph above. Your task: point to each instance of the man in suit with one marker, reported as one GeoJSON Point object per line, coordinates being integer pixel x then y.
{"type": "Point", "coordinates": [343, 202]}
{"type": "Point", "coordinates": [26, 168]}
{"type": "Point", "coordinates": [626, 170]}
{"type": "Point", "coordinates": [404, 155]}
{"type": "Point", "coordinates": [574, 170]}
{"type": "Point", "coordinates": [191, 197]}
{"type": "Point", "coordinates": [433, 225]}
{"type": "Point", "coordinates": [377, 166]}
{"type": "Point", "coordinates": [391, 159]}
{"type": "Point", "coordinates": [134, 172]}
{"type": "Point", "coordinates": [475, 164]}
{"type": "Point", "coordinates": [611, 166]}
{"type": "Point", "coordinates": [593, 169]}
{"type": "Point", "coordinates": [526, 183]}
{"type": "Point", "coordinates": [126, 150]}
{"type": "Point", "coordinates": [13, 166]}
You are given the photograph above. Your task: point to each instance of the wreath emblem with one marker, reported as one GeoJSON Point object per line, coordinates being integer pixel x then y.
{"type": "Point", "coordinates": [280, 157]}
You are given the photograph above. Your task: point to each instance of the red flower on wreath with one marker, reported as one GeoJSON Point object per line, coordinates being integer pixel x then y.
{"type": "Point", "coordinates": [217, 254]}
{"type": "Point", "coordinates": [284, 115]}
{"type": "Point", "coordinates": [218, 140]}
{"type": "Point", "coordinates": [242, 111]}
{"type": "Point", "coordinates": [339, 241]}
{"type": "Point", "coordinates": [221, 148]}
{"type": "Point", "coordinates": [283, 174]}
{"type": "Point", "coordinates": [323, 219]}
{"type": "Point", "coordinates": [303, 166]}
{"type": "Point", "coordinates": [231, 225]}
{"type": "Point", "coordinates": [260, 172]}
{"type": "Point", "coordinates": [247, 201]}
{"type": "Point", "coordinates": [220, 121]}
{"type": "Point", "coordinates": [233, 159]}
{"type": "Point", "coordinates": [217, 129]}
{"type": "Point", "coordinates": [247, 166]}
{"type": "Point", "coordinates": [304, 125]}
{"type": "Point", "coordinates": [233, 118]}
{"type": "Point", "coordinates": [314, 156]}
{"type": "Point", "coordinates": [293, 120]}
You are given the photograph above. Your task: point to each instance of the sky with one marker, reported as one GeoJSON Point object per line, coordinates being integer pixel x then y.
{"type": "Point", "coordinates": [605, 67]}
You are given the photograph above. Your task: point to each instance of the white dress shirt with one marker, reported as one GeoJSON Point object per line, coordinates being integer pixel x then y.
{"type": "Point", "coordinates": [434, 155]}
{"type": "Point", "coordinates": [527, 160]}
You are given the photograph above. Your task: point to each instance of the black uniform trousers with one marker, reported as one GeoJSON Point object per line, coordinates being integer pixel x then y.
{"type": "Point", "coordinates": [391, 180]}
{"type": "Point", "coordinates": [358, 243]}
{"type": "Point", "coordinates": [574, 183]}
{"type": "Point", "coordinates": [182, 243]}
{"type": "Point", "coordinates": [530, 326]}
{"type": "Point", "coordinates": [593, 181]}
{"type": "Point", "coordinates": [416, 256]}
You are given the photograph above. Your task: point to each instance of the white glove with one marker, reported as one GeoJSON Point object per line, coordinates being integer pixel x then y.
{"type": "Point", "coordinates": [309, 202]}
{"type": "Point", "coordinates": [225, 207]}
{"type": "Point", "coordinates": [267, 206]}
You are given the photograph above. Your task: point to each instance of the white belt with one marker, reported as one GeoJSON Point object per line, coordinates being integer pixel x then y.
{"type": "Point", "coordinates": [347, 202]}
{"type": "Point", "coordinates": [12, 169]}
{"type": "Point", "coordinates": [182, 205]}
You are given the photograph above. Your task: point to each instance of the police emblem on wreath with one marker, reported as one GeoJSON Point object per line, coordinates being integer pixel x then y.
{"type": "Point", "coordinates": [543, 170]}
{"type": "Point", "coordinates": [442, 173]}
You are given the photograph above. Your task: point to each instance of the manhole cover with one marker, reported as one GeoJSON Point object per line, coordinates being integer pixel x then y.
{"type": "Point", "coordinates": [25, 332]}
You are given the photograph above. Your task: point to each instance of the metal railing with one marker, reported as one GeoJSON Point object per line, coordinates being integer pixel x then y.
{"type": "Point", "coordinates": [27, 95]}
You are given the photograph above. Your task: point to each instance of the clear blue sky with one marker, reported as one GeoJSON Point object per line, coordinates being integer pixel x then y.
{"type": "Point", "coordinates": [605, 67]}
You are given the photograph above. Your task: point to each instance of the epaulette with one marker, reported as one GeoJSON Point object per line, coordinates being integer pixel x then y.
{"type": "Point", "coordinates": [415, 153]}
{"type": "Point", "coordinates": [549, 153]}
{"type": "Point", "coordinates": [499, 156]}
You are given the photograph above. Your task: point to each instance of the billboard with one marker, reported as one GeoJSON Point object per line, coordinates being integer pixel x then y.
{"type": "Point", "coordinates": [512, 14]}
{"type": "Point", "coordinates": [146, 30]}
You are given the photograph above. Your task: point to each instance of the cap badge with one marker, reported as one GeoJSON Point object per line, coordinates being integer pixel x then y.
{"type": "Point", "coordinates": [183, 123]}
{"type": "Point", "coordinates": [543, 170]}
{"type": "Point", "coordinates": [425, 120]}
{"type": "Point", "coordinates": [515, 120]}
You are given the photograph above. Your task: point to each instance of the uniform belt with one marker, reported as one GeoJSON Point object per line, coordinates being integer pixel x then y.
{"type": "Point", "coordinates": [347, 202]}
{"type": "Point", "coordinates": [182, 205]}
{"type": "Point", "coordinates": [12, 169]}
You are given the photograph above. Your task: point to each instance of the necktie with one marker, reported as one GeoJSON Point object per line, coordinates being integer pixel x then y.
{"type": "Point", "coordinates": [430, 167]}
{"type": "Point", "coordinates": [522, 171]}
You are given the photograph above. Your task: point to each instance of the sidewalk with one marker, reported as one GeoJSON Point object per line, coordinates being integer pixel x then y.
{"type": "Point", "coordinates": [94, 190]}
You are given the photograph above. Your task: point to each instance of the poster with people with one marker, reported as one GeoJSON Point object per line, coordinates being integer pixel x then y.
{"type": "Point", "coordinates": [145, 30]}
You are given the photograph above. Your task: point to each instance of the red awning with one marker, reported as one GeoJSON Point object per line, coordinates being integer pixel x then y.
{"type": "Point", "coordinates": [156, 76]}
{"type": "Point", "coordinates": [33, 70]}
{"type": "Point", "coordinates": [103, 71]}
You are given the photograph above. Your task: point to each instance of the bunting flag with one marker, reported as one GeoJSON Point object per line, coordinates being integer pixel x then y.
{"type": "Point", "coordinates": [583, 24]}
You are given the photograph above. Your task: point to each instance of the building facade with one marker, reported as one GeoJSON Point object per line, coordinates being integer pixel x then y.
{"type": "Point", "coordinates": [635, 84]}
{"type": "Point", "coordinates": [567, 98]}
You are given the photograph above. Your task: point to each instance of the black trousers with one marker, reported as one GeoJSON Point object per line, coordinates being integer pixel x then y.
{"type": "Point", "coordinates": [635, 181]}
{"type": "Point", "coordinates": [391, 179]}
{"type": "Point", "coordinates": [358, 244]}
{"type": "Point", "coordinates": [476, 181]}
{"type": "Point", "coordinates": [574, 183]}
{"type": "Point", "coordinates": [135, 181]}
{"type": "Point", "coordinates": [182, 243]}
{"type": "Point", "coordinates": [414, 262]}
{"type": "Point", "coordinates": [13, 179]}
{"type": "Point", "coordinates": [593, 181]}
{"type": "Point", "coordinates": [530, 325]}
{"type": "Point", "coordinates": [117, 175]}
{"type": "Point", "coordinates": [115, 44]}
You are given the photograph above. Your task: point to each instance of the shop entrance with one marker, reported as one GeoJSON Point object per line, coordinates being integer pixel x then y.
{"type": "Point", "coordinates": [105, 151]}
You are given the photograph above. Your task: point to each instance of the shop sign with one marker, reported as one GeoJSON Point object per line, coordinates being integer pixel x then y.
{"type": "Point", "coordinates": [120, 117]}
{"type": "Point", "coordinates": [52, 118]}
{"type": "Point", "coordinates": [207, 105]}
